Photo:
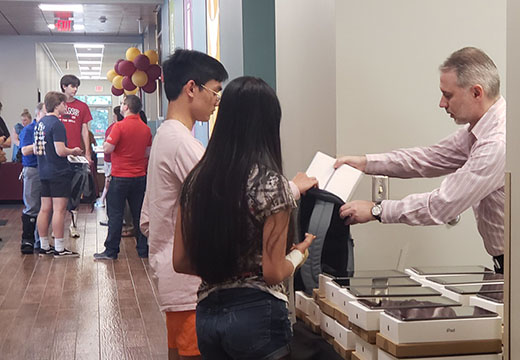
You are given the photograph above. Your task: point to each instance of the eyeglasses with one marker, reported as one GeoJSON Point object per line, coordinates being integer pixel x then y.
{"type": "Point", "coordinates": [212, 91]}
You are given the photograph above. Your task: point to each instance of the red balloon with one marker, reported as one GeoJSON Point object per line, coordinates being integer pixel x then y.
{"type": "Point", "coordinates": [117, 92]}
{"type": "Point", "coordinates": [150, 86]}
{"type": "Point", "coordinates": [153, 72]}
{"type": "Point", "coordinates": [126, 68]}
{"type": "Point", "coordinates": [116, 65]}
{"type": "Point", "coordinates": [128, 84]}
{"type": "Point", "coordinates": [142, 62]}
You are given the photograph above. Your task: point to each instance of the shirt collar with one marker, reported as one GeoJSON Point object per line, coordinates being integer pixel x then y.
{"type": "Point", "coordinates": [133, 117]}
{"type": "Point", "coordinates": [490, 119]}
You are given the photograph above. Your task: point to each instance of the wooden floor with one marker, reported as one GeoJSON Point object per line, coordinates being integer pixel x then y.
{"type": "Point", "coordinates": [77, 308]}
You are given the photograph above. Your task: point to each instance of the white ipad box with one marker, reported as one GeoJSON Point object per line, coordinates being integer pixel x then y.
{"type": "Point", "coordinates": [341, 181]}
{"type": "Point", "coordinates": [345, 337]}
{"type": "Point", "coordinates": [328, 325]}
{"type": "Point", "coordinates": [402, 332]}
{"type": "Point", "coordinates": [364, 350]}
{"type": "Point", "coordinates": [383, 355]}
{"type": "Point", "coordinates": [362, 316]}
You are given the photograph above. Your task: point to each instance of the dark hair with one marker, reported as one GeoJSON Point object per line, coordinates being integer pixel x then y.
{"type": "Point", "coordinates": [53, 99]}
{"type": "Point", "coordinates": [67, 80]}
{"type": "Point", "coordinates": [134, 104]}
{"type": "Point", "coordinates": [186, 65]}
{"type": "Point", "coordinates": [117, 112]}
{"type": "Point", "coordinates": [213, 200]}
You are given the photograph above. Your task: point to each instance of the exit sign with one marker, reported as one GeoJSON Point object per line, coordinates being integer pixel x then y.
{"type": "Point", "coordinates": [63, 25]}
{"type": "Point", "coordinates": [98, 88]}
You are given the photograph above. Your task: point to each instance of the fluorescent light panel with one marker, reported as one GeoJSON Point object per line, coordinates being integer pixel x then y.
{"type": "Point", "coordinates": [61, 7]}
{"type": "Point", "coordinates": [90, 73]}
{"type": "Point", "coordinates": [79, 27]}
{"type": "Point", "coordinates": [89, 55]}
{"type": "Point", "coordinates": [89, 62]}
{"type": "Point", "coordinates": [51, 26]}
{"type": "Point", "coordinates": [89, 46]}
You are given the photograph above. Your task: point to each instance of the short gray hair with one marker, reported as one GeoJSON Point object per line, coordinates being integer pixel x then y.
{"type": "Point", "coordinates": [472, 66]}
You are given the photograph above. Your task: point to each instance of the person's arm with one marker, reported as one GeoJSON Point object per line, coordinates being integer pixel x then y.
{"type": "Point", "coordinates": [15, 138]}
{"type": "Point", "coordinates": [144, 221]}
{"type": "Point", "coordinates": [147, 151]}
{"type": "Point", "coordinates": [108, 148]}
{"type": "Point", "coordinates": [64, 151]}
{"type": "Point", "coordinates": [86, 141]}
{"type": "Point", "coordinates": [181, 262]}
{"type": "Point", "coordinates": [5, 142]}
{"type": "Point", "coordinates": [301, 183]}
{"type": "Point", "coordinates": [482, 174]}
{"type": "Point", "coordinates": [28, 150]}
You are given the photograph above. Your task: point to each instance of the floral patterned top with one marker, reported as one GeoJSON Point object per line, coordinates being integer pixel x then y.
{"type": "Point", "coordinates": [268, 192]}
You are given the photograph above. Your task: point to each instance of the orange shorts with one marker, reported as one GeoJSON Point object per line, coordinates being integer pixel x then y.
{"type": "Point", "coordinates": [182, 334]}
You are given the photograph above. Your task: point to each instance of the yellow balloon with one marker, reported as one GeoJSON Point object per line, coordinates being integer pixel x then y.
{"type": "Point", "coordinates": [152, 55]}
{"type": "Point", "coordinates": [131, 53]}
{"type": "Point", "coordinates": [111, 74]}
{"type": "Point", "coordinates": [118, 82]}
{"type": "Point", "coordinates": [139, 78]}
{"type": "Point", "coordinates": [132, 92]}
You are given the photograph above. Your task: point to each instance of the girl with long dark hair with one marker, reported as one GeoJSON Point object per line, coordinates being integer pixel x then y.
{"type": "Point", "coordinates": [234, 229]}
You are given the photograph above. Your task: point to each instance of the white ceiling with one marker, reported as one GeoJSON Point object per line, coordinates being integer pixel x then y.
{"type": "Point", "coordinates": [123, 18]}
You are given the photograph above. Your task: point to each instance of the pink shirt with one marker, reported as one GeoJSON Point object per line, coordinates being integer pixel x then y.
{"type": "Point", "coordinates": [474, 162]}
{"type": "Point", "coordinates": [174, 153]}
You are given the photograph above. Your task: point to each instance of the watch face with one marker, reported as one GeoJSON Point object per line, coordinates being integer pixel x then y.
{"type": "Point", "coordinates": [376, 210]}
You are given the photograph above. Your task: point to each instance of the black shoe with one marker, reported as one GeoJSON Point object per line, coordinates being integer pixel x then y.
{"type": "Point", "coordinates": [104, 256]}
{"type": "Point", "coordinates": [103, 223]}
{"type": "Point", "coordinates": [27, 248]}
{"type": "Point", "coordinates": [65, 254]}
{"type": "Point", "coordinates": [49, 251]}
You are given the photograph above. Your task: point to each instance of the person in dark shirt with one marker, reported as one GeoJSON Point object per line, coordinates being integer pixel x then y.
{"type": "Point", "coordinates": [50, 147]}
{"type": "Point", "coordinates": [5, 138]}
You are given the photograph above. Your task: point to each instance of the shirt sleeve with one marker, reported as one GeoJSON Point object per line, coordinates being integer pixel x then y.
{"type": "Point", "coordinates": [86, 115]}
{"type": "Point", "coordinates": [26, 137]}
{"type": "Point", "coordinates": [187, 156]}
{"type": "Point", "coordinates": [4, 131]}
{"type": "Point", "coordinates": [115, 134]}
{"type": "Point", "coordinates": [482, 174]}
{"type": "Point", "coordinates": [440, 159]}
{"type": "Point", "coordinates": [59, 134]}
{"type": "Point", "coordinates": [268, 193]}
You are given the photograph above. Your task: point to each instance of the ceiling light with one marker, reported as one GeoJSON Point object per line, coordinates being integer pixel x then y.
{"type": "Point", "coordinates": [79, 27]}
{"type": "Point", "coordinates": [51, 26]}
{"type": "Point", "coordinates": [90, 73]}
{"type": "Point", "coordinates": [95, 68]}
{"type": "Point", "coordinates": [61, 7]}
{"type": "Point", "coordinates": [84, 68]}
{"type": "Point", "coordinates": [89, 46]}
{"type": "Point", "coordinates": [89, 62]}
{"type": "Point", "coordinates": [89, 55]}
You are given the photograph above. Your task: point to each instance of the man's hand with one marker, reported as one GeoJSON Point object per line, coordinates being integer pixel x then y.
{"type": "Point", "coordinates": [304, 245]}
{"type": "Point", "coordinates": [357, 212]}
{"type": "Point", "coordinates": [88, 156]}
{"type": "Point", "coordinates": [358, 162]}
{"type": "Point", "coordinates": [304, 183]}
{"type": "Point", "coordinates": [2, 139]}
{"type": "Point", "coordinates": [77, 151]}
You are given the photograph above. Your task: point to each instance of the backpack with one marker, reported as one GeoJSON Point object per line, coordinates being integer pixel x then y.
{"type": "Point", "coordinates": [332, 251]}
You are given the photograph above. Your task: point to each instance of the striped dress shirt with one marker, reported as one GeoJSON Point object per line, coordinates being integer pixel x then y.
{"type": "Point", "coordinates": [474, 162]}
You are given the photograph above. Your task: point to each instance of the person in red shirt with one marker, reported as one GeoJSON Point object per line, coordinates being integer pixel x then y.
{"type": "Point", "coordinates": [76, 119]}
{"type": "Point", "coordinates": [129, 144]}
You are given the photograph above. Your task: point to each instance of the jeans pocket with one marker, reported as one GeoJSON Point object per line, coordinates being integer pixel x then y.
{"type": "Point", "coordinates": [248, 328]}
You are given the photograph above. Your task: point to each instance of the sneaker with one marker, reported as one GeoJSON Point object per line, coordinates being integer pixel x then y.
{"type": "Point", "coordinates": [103, 223]}
{"type": "Point", "coordinates": [49, 251]}
{"type": "Point", "coordinates": [73, 231]}
{"type": "Point", "coordinates": [104, 256]}
{"type": "Point", "coordinates": [27, 248]}
{"type": "Point", "coordinates": [65, 253]}
{"type": "Point", "coordinates": [99, 204]}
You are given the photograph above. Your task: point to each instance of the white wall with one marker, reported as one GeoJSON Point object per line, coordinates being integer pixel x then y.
{"type": "Point", "coordinates": [305, 79]}
{"type": "Point", "coordinates": [47, 75]}
{"type": "Point", "coordinates": [388, 53]}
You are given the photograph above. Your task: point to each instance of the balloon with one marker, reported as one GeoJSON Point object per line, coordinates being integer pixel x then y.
{"type": "Point", "coordinates": [139, 78]}
{"type": "Point", "coordinates": [126, 68]}
{"type": "Point", "coordinates": [131, 53]}
{"type": "Point", "coordinates": [116, 65]}
{"type": "Point", "coordinates": [117, 92]}
{"type": "Point", "coordinates": [150, 87]}
{"type": "Point", "coordinates": [118, 82]}
{"type": "Point", "coordinates": [128, 84]}
{"type": "Point", "coordinates": [132, 92]}
{"type": "Point", "coordinates": [142, 62]}
{"type": "Point", "coordinates": [152, 55]}
{"type": "Point", "coordinates": [153, 72]}
{"type": "Point", "coordinates": [111, 74]}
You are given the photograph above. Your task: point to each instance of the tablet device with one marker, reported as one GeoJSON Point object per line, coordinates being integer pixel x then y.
{"type": "Point", "coordinates": [497, 296]}
{"type": "Point", "coordinates": [407, 302]}
{"type": "Point", "coordinates": [375, 282]}
{"type": "Point", "coordinates": [393, 291]}
{"type": "Point", "coordinates": [377, 274]}
{"type": "Point", "coordinates": [474, 289]}
{"type": "Point", "coordinates": [467, 279]}
{"type": "Point", "coordinates": [438, 313]}
{"type": "Point", "coordinates": [442, 270]}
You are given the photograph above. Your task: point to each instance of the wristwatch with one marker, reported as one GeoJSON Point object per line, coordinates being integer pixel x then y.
{"type": "Point", "coordinates": [376, 211]}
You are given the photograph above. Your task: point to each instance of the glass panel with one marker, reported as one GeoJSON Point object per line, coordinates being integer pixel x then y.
{"type": "Point", "coordinates": [99, 100]}
{"type": "Point", "coordinates": [99, 123]}
{"type": "Point", "coordinates": [82, 98]}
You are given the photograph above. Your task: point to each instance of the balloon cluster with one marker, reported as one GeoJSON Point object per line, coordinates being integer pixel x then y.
{"type": "Point", "coordinates": [137, 71]}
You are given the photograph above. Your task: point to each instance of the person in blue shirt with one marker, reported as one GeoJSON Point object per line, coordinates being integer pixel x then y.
{"type": "Point", "coordinates": [31, 184]}
{"type": "Point", "coordinates": [50, 147]}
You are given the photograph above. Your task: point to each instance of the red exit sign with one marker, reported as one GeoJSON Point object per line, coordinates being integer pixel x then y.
{"type": "Point", "coordinates": [63, 25]}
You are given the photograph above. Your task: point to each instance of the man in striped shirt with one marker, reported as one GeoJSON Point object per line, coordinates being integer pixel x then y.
{"type": "Point", "coordinates": [473, 158]}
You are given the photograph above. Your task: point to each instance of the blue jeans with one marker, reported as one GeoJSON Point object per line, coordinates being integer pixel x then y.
{"type": "Point", "coordinates": [243, 323]}
{"type": "Point", "coordinates": [122, 189]}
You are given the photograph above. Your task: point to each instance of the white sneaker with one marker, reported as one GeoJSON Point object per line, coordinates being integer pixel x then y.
{"type": "Point", "coordinates": [73, 231]}
{"type": "Point", "coordinates": [99, 203]}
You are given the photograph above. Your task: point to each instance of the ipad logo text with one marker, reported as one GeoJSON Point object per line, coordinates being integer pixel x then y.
{"type": "Point", "coordinates": [450, 330]}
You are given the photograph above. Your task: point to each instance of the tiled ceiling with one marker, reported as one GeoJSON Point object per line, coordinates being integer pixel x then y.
{"type": "Point", "coordinates": [22, 17]}
{"type": "Point", "coordinates": [123, 18]}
